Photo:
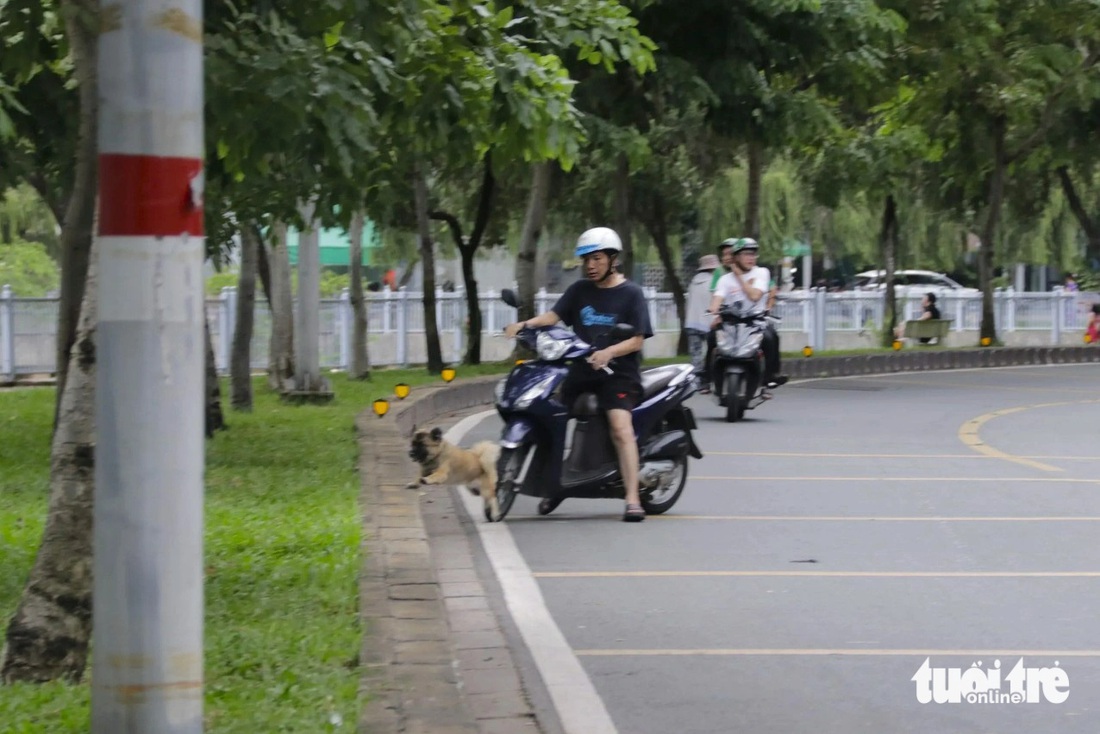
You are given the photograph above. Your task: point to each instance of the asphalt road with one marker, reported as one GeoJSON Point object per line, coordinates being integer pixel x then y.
{"type": "Point", "coordinates": [826, 547]}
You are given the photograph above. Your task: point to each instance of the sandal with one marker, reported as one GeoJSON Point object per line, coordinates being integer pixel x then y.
{"type": "Point", "coordinates": [634, 513]}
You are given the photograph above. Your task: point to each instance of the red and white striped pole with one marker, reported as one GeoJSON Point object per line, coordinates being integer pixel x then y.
{"type": "Point", "coordinates": [147, 663]}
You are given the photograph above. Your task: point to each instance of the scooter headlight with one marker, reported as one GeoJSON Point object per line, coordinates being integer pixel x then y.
{"type": "Point", "coordinates": [533, 393]}
{"type": "Point", "coordinates": [549, 348]}
{"type": "Point", "coordinates": [498, 390]}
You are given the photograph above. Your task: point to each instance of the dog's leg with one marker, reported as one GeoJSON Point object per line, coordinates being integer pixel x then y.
{"type": "Point", "coordinates": [416, 482]}
{"type": "Point", "coordinates": [439, 476]}
{"type": "Point", "coordinates": [489, 491]}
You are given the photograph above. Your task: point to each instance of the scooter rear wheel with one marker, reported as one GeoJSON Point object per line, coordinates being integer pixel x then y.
{"type": "Point", "coordinates": [509, 465]}
{"type": "Point", "coordinates": [656, 506]}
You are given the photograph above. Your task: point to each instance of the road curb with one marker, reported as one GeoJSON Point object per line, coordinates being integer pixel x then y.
{"type": "Point", "coordinates": [434, 658]}
{"type": "Point", "coordinates": [918, 359]}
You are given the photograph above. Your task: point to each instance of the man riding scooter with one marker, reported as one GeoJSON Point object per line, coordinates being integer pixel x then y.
{"type": "Point", "coordinates": [748, 282]}
{"type": "Point", "coordinates": [593, 306]}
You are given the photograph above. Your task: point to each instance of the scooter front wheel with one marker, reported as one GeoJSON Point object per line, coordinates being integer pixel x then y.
{"type": "Point", "coordinates": [735, 406]}
{"type": "Point", "coordinates": [509, 466]}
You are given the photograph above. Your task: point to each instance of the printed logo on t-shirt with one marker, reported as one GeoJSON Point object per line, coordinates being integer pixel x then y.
{"type": "Point", "coordinates": [592, 317]}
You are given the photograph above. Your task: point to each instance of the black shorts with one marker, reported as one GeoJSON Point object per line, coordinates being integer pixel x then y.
{"type": "Point", "coordinates": [613, 392]}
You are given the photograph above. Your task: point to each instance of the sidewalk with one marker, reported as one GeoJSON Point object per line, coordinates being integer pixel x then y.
{"type": "Point", "coordinates": [435, 658]}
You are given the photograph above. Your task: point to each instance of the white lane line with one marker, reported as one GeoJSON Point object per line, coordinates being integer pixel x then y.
{"type": "Point", "coordinates": [744, 480]}
{"type": "Point", "coordinates": [821, 574]}
{"type": "Point", "coordinates": [579, 707]}
{"type": "Point", "coordinates": [916, 652]}
{"type": "Point", "coordinates": [884, 518]}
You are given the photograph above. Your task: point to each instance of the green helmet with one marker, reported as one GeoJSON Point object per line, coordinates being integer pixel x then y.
{"type": "Point", "coordinates": [738, 244]}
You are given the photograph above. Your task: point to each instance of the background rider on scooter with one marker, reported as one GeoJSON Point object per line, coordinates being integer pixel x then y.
{"type": "Point", "coordinates": [592, 306]}
{"type": "Point", "coordinates": [748, 282]}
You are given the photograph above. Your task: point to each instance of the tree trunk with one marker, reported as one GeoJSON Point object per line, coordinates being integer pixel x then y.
{"type": "Point", "coordinates": [486, 199]}
{"type": "Point", "coordinates": [280, 364]}
{"type": "Point", "coordinates": [756, 176]}
{"type": "Point", "coordinates": [989, 230]}
{"type": "Point", "coordinates": [410, 271]}
{"type": "Point", "coordinates": [427, 258]}
{"type": "Point", "coordinates": [467, 249]}
{"type": "Point", "coordinates": [473, 308]}
{"type": "Point", "coordinates": [622, 214]}
{"type": "Point", "coordinates": [47, 638]}
{"type": "Point", "coordinates": [359, 369]}
{"type": "Point", "coordinates": [888, 246]}
{"type": "Point", "coordinates": [308, 381]}
{"type": "Point", "coordinates": [658, 230]}
{"type": "Point", "coordinates": [81, 29]}
{"type": "Point", "coordinates": [1089, 224]}
{"type": "Point", "coordinates": [263, 268]}
{"type": "Point", "coordinates": [537, 204]}
{"type": "Point", "coordinates": [215, 418]}
{"type": "Point", "coordinates": [240, 362]}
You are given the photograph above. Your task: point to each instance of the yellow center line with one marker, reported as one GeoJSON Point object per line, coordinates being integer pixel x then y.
{"type": "Point", "coordinates": [824, 574]}
{"type": "Point", "coordinates": [871, 518]}
{"type": "Point", "coordinates": [857, 651]}
{"type": "Point", "coordinates": [969, 434]}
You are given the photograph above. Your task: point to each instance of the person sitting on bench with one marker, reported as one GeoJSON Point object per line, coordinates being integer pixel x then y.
{"type": "Point", "coordinates": [930, 312]}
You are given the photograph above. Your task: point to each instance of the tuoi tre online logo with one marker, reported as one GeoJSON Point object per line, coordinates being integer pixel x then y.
{"type": "Point", "coordinates": [979, 685]}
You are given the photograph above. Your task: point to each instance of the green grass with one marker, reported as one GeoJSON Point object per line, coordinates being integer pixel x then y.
{"type": "Point", "coordinates": [25, 420]}
{"type": "Point", "coordinates": [281, 553]}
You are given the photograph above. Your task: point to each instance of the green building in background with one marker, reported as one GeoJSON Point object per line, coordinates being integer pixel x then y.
{"type": "Point", "coordinates": [336, 246]}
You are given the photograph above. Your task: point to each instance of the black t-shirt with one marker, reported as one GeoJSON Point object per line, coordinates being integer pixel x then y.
{"type": "Point", "coordinates": [933, 313]}
{"type": "Point", "coordinates": [592, 312]}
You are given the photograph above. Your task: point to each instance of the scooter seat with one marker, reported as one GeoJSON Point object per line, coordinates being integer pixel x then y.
{"type": "Point", "coordinates": [657, 379]}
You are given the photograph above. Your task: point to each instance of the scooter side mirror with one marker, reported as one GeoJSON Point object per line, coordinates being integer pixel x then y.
{"type": "Point", "coordinates": [509, 296]}
{"type": "Point", "coordinates": [621, 332]}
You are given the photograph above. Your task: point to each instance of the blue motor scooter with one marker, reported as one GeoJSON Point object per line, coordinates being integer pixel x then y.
{"type": "Point", "coordinates": [540, 459]}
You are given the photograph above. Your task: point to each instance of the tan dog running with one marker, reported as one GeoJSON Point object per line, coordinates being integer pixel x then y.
{"type": "Point", "coordinates": [441, 462]}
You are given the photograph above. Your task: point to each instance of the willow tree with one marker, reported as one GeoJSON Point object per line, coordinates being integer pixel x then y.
{"type": "Point", "coordinates": [992, 81]}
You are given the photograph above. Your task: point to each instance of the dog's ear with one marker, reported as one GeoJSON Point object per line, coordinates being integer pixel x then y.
{"type": "Point", "coordinates": [437, 434]}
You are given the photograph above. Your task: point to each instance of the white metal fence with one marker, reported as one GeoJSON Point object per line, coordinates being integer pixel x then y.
{"type": "Point", "coordinates": [823, 320]}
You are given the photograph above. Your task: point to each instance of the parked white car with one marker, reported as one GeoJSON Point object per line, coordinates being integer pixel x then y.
{"type": "Point", "coordinates": [913, 282]}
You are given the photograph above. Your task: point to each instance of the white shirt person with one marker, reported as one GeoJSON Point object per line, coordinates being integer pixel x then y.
{"type": "Point", "coordinates": [729, 289]}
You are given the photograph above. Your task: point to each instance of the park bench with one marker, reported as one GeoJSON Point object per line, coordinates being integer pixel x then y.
{"type": "Point", "coordinates": [928, 329]}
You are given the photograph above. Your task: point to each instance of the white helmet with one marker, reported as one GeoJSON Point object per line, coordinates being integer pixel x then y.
{"type": "Point", "coordinates": [598, 239]}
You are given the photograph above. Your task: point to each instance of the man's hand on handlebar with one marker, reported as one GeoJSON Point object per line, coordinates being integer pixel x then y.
{"type": "Point", "coordinates": [599, 359]}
